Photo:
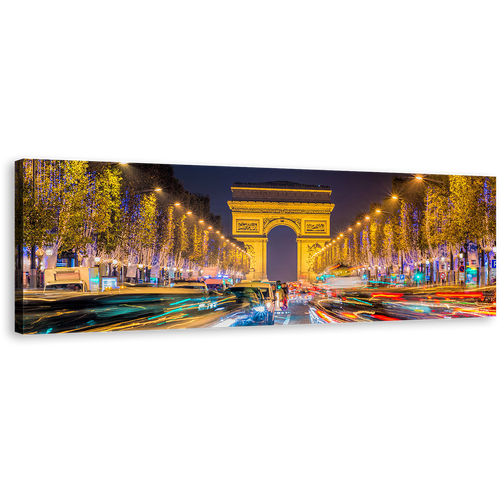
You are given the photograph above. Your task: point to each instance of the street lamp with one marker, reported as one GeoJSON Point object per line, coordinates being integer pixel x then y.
{"type": "Point", "coordinates": [158, 189]}
{"type": "Point", "coordinates": [422, 178]}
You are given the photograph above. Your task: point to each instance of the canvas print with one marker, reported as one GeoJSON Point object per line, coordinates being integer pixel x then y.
{"type": "Point", "coordinates": [112, 246]}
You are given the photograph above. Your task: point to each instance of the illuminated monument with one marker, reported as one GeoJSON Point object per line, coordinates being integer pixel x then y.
{"type": "Point", "coordinates": [259, 207]}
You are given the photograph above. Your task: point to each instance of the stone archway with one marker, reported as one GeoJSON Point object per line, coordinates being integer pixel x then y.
{"type": "Point", "coordinates": [259, 207]}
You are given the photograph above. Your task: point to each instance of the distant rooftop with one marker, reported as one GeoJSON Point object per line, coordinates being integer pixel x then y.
{"type": "Point", "coordinates": [281, 184]}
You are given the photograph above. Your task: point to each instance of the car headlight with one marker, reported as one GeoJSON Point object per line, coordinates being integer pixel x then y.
{"type": "Point", "coordinates": [260, 309]}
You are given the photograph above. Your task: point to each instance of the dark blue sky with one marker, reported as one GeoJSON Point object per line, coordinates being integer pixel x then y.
{"type": "Point", "coordinates": [352, 192]}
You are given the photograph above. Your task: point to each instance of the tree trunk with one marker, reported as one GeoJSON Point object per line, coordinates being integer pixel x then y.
{"type": "Point", "coordinates": [489, 268]}
{"type": "Point", "coordinates": [33, 283]}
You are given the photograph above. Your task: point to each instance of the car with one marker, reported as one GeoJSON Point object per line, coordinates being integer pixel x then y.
{"type": "Point", "coordinates": [253, 299]}
{"type": "Point", "coordinates": [195, 286]}
{"type": "Point", "coordinates": [268, 294]}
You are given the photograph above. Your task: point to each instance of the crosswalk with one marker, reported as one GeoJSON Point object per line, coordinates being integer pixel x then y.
{"type": "Point", "coordinates": [282, 317]}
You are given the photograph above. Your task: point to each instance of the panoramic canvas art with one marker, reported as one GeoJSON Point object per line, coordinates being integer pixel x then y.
{"type": "Point", "coordinates": [112, 246]}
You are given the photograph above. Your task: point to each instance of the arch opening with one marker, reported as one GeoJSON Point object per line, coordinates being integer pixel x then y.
{"type": "Point", "coordinates": [282, 254]}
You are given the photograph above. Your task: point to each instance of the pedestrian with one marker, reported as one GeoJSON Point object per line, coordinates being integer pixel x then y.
{"type": "Point", "coordinates": [281, 294]}
{"type": "Point", "coordinates": [285, 302]}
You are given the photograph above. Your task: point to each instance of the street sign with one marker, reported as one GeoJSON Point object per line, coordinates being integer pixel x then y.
{"type": "Point", "coordinates": [494, 264]}
{"type": "Point", "coordinates": [443, 276]}
{"type": "Point", "coordinates": [461, 276]}
{"type": "Point", "coordinates": [461, 268]}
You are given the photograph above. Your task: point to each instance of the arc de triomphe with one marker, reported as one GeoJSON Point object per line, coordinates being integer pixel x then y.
{"type": "Point", "coordinates": [259, 207]}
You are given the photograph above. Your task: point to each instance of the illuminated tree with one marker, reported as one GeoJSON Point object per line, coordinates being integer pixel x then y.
{"type": "Point", "coordinates": [146, 229]}
{"type": "Point", "coordinates": [166, 236]}
{"type": "Point", "coordinates": [196, 256]}
{"type": "Point", "coordinates": [180, 242]}
{"type": "Point", "coordinates": [103, 224]}
{"type": "Point", "coordinates": [206, 248]}
{"type": "Point", "coordinates": [40, 189]}
{"type": "Point", "coordinates": [490, 200]}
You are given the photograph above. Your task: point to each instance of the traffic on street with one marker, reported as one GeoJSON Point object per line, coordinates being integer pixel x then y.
{"type": "Point", "coordinates": [249, 303]}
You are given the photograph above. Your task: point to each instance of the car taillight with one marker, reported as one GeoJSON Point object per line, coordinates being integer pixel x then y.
{"type": "Point", "coordinates": [383, 317]}
{"type": "Point", "coordinates": [325, 317]}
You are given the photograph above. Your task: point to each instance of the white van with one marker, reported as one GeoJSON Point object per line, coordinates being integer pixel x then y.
{"type": "Point", "coordinates": [80, 279]}
{"type": "Point", "coordinates": [267, 292]}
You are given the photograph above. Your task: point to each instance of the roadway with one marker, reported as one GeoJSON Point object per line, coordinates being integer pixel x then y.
{"type": "Point", "coordinates": [296, 314]}
{"type": "Point", "coordinates": [39, 312]}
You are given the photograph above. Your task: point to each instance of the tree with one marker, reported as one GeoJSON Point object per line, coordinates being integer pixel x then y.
{"type": "Point", "coordinates": [196, 250]}
{"type": "Point", "coordinates": [39, 194]}
{"type": "Point", "coordinates": [490, 200]}
{"type": "Point", "coordinates": [468, 208]}
{"type": "Point", "coordinates": [166, 238]}
{"type": "Point", "coordinates": [144, 229]}
{"type": "Point", "coordinates": [181, 242]}
{"type": "Point", "coordinates": [104, 202]}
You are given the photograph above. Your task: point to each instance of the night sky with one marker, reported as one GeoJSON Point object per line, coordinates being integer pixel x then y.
{"type": "Point", "coordinates": [352, 193]}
